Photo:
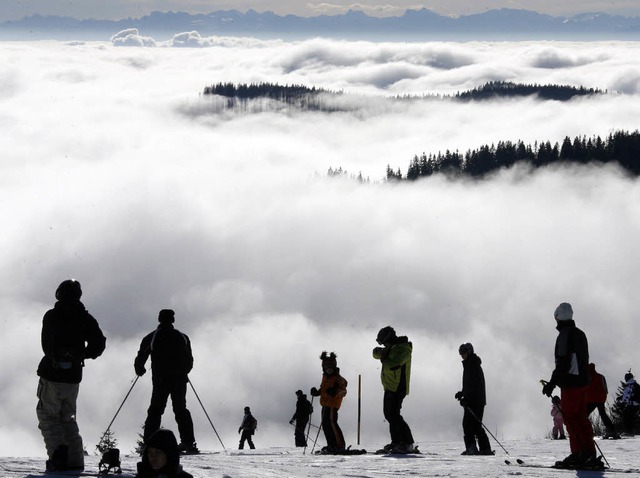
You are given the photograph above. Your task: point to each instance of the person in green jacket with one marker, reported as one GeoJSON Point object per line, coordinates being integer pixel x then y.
{"type": "Point", "coordinates": [395, 357]}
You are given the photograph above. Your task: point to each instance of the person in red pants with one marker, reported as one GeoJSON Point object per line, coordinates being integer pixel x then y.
{"type": "Point", "coordinates": [571, 374]}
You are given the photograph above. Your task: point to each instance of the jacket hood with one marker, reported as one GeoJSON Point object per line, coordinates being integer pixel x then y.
{"type": "Point", "coordinates": [165, 440]}
{"type": "Point", "coordinates": [472, 359]}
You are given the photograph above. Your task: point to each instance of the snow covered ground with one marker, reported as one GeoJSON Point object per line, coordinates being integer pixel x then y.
{"type": "Point", "coordinates": [439, 459]}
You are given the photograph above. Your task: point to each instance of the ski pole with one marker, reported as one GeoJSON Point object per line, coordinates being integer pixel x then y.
{"type": "Point", "coordinates": [485, 427]}
{"type": "Point", "coordinates": [309, 427]}
{"type": "Point", "coordinates": [577, 435]}
{"type": "Point", "coordinates": [205, 412]}
{"type": "Point", "coordinates": [317, 435]}
{"type": "Point", "coordinates": [310, 424]}
{"type": "Point", "coordinates": [118, 411]}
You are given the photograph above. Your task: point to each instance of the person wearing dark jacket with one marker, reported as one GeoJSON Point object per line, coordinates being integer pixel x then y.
{"type": "Point", "coordinates": [70, 335]}
{"type": "Point", "coordinates": [473, 398]}
{"type": "Point", "coordinates": [247, 429]}
{"type": "Point", "coordinates": [395, 357]}
{"type": "Point", "coordinates": [630, 401]}
{"type": "Point", "coordinates": [301, 418]}
{"type": "Point", "coordinates": [571, 374]}
{"type": "Point", "coordinates": [161, 457]}
{"type": "Point", "coordinates": [171, 362]}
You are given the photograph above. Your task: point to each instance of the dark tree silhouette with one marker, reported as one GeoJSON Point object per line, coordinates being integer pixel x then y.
{"type": "Point", "coordinates": [621, 147]}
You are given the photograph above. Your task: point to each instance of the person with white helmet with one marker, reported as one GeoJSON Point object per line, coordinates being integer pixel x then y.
{"type": "Point", "coordinates": [571, 374]}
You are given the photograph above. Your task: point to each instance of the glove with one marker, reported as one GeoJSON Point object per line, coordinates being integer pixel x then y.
{"type": "Point", "coordinates": [332, 391]}
{"type": "Point", "coordinates": [314, 392]}
{"type": "Point", "coordinates": [291, 421]}
{"type": "Point", "coordinates": [555, 400]}
{"type": "Point", "coordinates": [547, 389]}
{"type": "Point", "coordinates": [140, 371]}
{"type": "Point", "coordinates": [239, 429]}
{"type": "Point", "coordinates": [459, 395]}
{"type": "Point", "coordinates": [463, 402]}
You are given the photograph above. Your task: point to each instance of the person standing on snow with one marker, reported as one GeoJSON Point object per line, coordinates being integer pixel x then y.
{"type": "Point", "coordinates": [473, 398]}
{"type": "Point", "coordinates": [70, 335]}
{"type": "Point", "coordinates": [395, 357]}
{"type": "Point", "coordinates": [558, 422]}
{"type": "Point", "coordinates": [301, 418]}
{"type": "Point", "coordinates": [631, 401]}
{"type": "Point", "coordinates": [171, 362]}
{"type": "Point", "coordinates": [333, 389]}
{"type": "Point", "coordinates": [597, 397]}
{"type": "Point", "coordinates": [571, 374]}
{"type": "Point", "coordinates": [247, 428]}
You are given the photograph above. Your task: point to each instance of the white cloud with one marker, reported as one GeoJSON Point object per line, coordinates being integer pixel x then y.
{"type": "Point", "coordinates": [109, 176]}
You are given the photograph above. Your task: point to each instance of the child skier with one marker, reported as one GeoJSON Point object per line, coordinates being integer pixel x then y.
{"type": "Point", "coordinates": [558, 421]}
{"type": "Point", "coordinates": [332, 390]}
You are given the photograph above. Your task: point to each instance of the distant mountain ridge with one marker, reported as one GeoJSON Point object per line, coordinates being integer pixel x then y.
{"type": "Point", "coordinates": [412, 25]}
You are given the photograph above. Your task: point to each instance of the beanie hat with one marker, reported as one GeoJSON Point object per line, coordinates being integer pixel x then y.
{"type": "Point", "coordinates": [69, 290]}
{"type": "Point", "coordinates": [166, 316]}
{"type": "Point", "coordinates": [298, 392]}
{"type": "Point", "coordinates": [563, 312]}
{"type": "Point", "coordinates": [465, 348]}
{"type": "Point", "coordinates": [165, 440]}
{"type": "Point", "coordinates": [628, 376]}
{"type": "Point", "coordinates": [385, 334]}
{"type": "Point", "coordinates": [328, 360]}
{"type": "Point", "coordinates": [247, 409]}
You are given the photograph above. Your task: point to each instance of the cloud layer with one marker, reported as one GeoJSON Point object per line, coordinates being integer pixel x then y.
{"type": "Point", "coordinates": [115, 173]}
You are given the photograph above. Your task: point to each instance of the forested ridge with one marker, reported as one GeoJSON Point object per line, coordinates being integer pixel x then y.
{"type": "Point", "coordinates": [620, 147]}
{"type": "Point", "coordinates": [313, 98]}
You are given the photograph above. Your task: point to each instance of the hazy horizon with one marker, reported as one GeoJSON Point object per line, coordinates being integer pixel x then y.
{"type": "Point", "coordinates": [121, 9]}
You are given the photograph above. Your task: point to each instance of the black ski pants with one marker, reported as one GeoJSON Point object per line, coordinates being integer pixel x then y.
{"type": "Point", "coordinates": [301, 430]}
{"type": "Point", "coordinates": [606, 421]}
{"type": "Point", "coordinates": [177, 389]}
{"type": "Point", "coordinates": [473, 429]}
{"type": "Point", "coordinates": [331, 429]}
{"type": "Point", "coordinates": [246, 436]}
{"type": "Point", "coordinates": [398, 427]}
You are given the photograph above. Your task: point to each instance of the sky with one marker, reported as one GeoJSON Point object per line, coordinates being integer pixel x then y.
{"type": "Point", "coordinates": [117, 172]}
{"type": "Point", "coordinates": [118, 9]}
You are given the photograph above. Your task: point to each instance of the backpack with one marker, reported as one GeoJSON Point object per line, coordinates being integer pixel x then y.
{"type": "Point", "coordinates": [253, 424]}
{"type": "Point", "coordinates": [309, 407]}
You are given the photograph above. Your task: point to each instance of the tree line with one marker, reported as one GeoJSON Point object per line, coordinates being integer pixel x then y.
{"type": "Point", "coordinates": [620, 147]}
{"type": "Point", "coordinates": [507, 89]}
{"type": "Point", "coordinates": [320, 99]}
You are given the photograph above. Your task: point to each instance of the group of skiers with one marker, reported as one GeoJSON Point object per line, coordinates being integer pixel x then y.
{"type": "Point", "coordinates": [583, 390]}
{"type": "Point", "coordinates": [70, 335]}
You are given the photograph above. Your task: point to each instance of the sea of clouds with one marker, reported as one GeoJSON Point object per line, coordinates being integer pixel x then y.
{"type": "Point", "coordinates": [115, 171]}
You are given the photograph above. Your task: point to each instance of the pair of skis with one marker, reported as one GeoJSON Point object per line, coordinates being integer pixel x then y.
{"type": "Point", "coordinates": [523, 464]}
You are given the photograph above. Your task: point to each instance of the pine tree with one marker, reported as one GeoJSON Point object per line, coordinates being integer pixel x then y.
{"type": "Point", "coordinates": [107, 442]}
{"type": "Point", "coordinates": [616, 410]}
{"type": "Point", "coordinates": [139, 449]}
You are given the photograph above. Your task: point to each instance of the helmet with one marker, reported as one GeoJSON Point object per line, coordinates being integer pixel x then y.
{"type": "Point", "coordinates": [69, 290]}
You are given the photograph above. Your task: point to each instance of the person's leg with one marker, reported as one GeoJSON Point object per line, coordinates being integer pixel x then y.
{"type": "Point", "coordinates": [68, 412]}
{"type": "Point", "coordinates": [483, 440]}
{"type": "Point", "coordinates": [574, 412]}
{"type": "Point", "coordinates": [182, 414]}
{"type": "Point", "coordinates": [159, 396]}
{"type": "Point", "coordinates": [468, 430]}
{"type": "Point", "coordinates": [48, 411]}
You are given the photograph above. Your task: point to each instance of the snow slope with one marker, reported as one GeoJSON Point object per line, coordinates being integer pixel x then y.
{"type": "Point", "coordinates": [439, 459]}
